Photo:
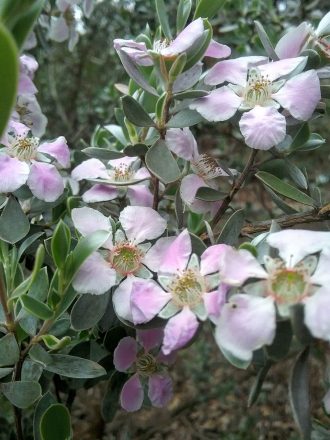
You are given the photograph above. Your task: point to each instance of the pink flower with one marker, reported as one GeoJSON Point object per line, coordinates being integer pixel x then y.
{"type": "Point", "coordinates": [121, 175]}
{"type": "Point", "coordinates": [24, 161]}
{"type": "Point", "coordinates": [204, 166]}
{"type": "Point", "coordinates": [260, 89]}
{"type": "Point", "coordinates": [139, 357]}
{"type": "Point", "coordinates": [298, 276]}
{"type": "Point", "coordinates": [188, 290]}
{"type": "Point", "coordinates": [124, 256]}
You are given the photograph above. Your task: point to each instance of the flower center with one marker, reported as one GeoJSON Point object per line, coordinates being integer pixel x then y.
{"type": "Point", "coordinates": [146, 364]}
{"type": "Point", "coordinates": [258, 89]}
{"type": "Point", "coordinates": [123, 173]}
{"type": "Point", "coordinates": [125, 258]}
{"type": "Point", "coordinates": [207, 167]}
{"type": "Point", "coordinates": [160, 45]}
{"type": "Point", "coordinates": [289, 286]}
{"type": "Point", "coordinates": [24, 148]}
{"type": "Point", "coordinates": [188, 288]}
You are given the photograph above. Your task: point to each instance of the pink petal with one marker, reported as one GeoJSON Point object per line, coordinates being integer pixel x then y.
{"type": "Point", "coordinates": [25, 85]}
{"type": "Point", "coordinates": [217, 50]}
{"type": "Point", "coordinates": [185, 39]}
{"type": "Point", "coordinates": [300, 95]}
{"type": "Point", "coordinates": [45, 182]}
{"type": "Point", "coordinates": [179, 330]}
{"type": "Point", "coordinates": [59, 30]}
{"type": "Point", "coordinates": [122, 161]}
{"type": "Point", "coordinates": [122, 298]}
{"type": "Point", "coordinates": [95, 276]}
{"type": "Point", "coordinates": [87, 220]}
{"type": "Point", "coordinates": [150, 224]}
{"type": "Point", "coordinates": [140, 195]}
{"type": "Point", "coordinates": [137, 51]}
{"type": "Point", "coordinates": [263, 127]}
{"type": "Point", "coordinates": [276, 69]}
{"type": "Point", "coordinates": [295, 244]}
{"type": "Point", "coordinates": [317, 313]}
{"type": "Point", "coordinates": [147, 300]}
{"type": "Point", "coordinates": [125, 354]}
{"type": "Point", "coordinates": [90, 169]}
{"type": "Point", "coordinates": [188, 189]}
{"type": "Point", "coordinates": [221, 104]}
{"type": "Point", "coordinates": [238, 266]}
{"type": "Point", "coordinates": [132, 394]}
{"type": "Point", "coordinates": [232, 71]}
{"type": "Point", "coordinates": [100, 193]}
{"type": "Point", "coordinates": [13, 172]}
{"type": "Point", "coordinates": [28, 64]}
{"type": "Point", "coordinates": [150, 338]}
{"type": "Point", "coordinates": [156, 253]}
{"type": "Point", "coordinates": [292, 43]}
{"type": "Point", "coordinates": [246, 324]}
{"type": "Point", "coordinates": [182, 143]}
{"type": "Point", "coordinates": [160, 390]}
{"type": "Point", "coordinates": [210, 259]}
{"type": "Point", "coordinates": [142, 173]}
{"type": "Point", "coordinates": [214, 302]}
{"type": "Point", "coordinates": [58, 149]}
{"type": "Point", "coordinates": [177, 254]}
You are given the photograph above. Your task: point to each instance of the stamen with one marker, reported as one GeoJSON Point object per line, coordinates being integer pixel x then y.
{"type": "Point", "coordinates": [125, 258]}
{"type": "Point", "coordinates": [123, 173]}
{"type": "Point", "coordinates": [258, 89]}
{"type": "Point", "coordinates": [188, 288]}
{"type": "Point", "coordinates": [207, 167]}
{"type": "Point", "coordinates": [146, 364]}
{"type": "Point", "coordinates": [24, 148]}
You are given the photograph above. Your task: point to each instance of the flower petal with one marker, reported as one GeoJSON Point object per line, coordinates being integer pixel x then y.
{"type": "Point", "coordinates": [179, 330]}
{"type": "Point", "coordinates": [58, 149]}
{"type": "Point", "coordinates": [150, 224]}
{"type": "Point", "coordinates": [156, 253]}
{"type": "Point", "coordinates": [147, 300]}
{"type": "Point", "coordinates": [300, 95]}
{"type": "Point", "coordinates": [125, 354]}
{"type": "Point", "coordinates": [246, 323]}
{"type": "Point", "coordinates": [221, 104]}
{"type": "Point", "coordinates": [122, 298]}
{"type": "Point", "coordinates": [295, 244]}
{"type": "Point", "coordinates": [217, 50]}
{"type": "Point", "coordinates": [87, 220]}
{"type": "Point", "coordinates": [317, 309]}
{"type": "Point", "coordinates": [14, 173]}
{"type": "Point", "coordinates": [94, 276]}
{"type": "Point", "coordinates": [59, 30]}
{"type": "Point", "coordinates": [238, 266]}
{"type": "Point", "coordinates": [185, 39]}
{"type": "Point", "coordinates": [292, 43]}
{"type": "Point", "coordinates": [177, 254]}
{"type": "Point", "coordinates": [277, 69]}
{"type": "Point", "coordinates": [45, 182]}
{"type": "Point", "coordinates": [90, 169]}
{"type": "Point", "coordinates": [100, 193]}
{"type": "Point", "coordinates": [188, 189]}
{"type": "Point", "coordinates": [150, 338]}
{"type": "Point", "coordinates": [210, 259]}
{"type": "Point", "coordinates": [232, 71]}
{"type": "Point", "coordinates": [262, 127]}
{"type": "Point", "coordinates": [182, 143]}
{"type": "Point", "coordinates": [214, 302]}
{"type": "Point", "coordinates": [321, 276]}
{"type": "Point", "coordinates": [140, 195]}
{"type": "Point", "coordinates": [132, 394]}
{"type": "Point", "coordinates": [160, 390]}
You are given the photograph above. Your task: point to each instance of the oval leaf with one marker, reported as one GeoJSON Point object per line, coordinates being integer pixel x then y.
{"type": "Point", "coordinates": [232, 228]}
{"type": "Point", "coordinates": [161, 163]}
{"type": "Point", "coordinates": [135, 113]}
{"type": "Point", "coordinates": [45, 402]}
{"type": "Point", "coordinates": [21, 394]}
{"type": "Point", "coordinates": [72, 366]}
{"type": "Point", "coordinates": [88, 310]}
{"type": "Point", "coordinates": [55, 424]}
{"type": "Point", "coordinates": [9, 351]}
{"type": "Point", "coordinates": [36, 307]}
{"type": "Point", "coordinates": [13, 213]}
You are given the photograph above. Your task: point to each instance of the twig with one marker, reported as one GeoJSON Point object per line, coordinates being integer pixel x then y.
{"type": "Point", "coordinates": [10, 324]}
{"type": "Point", "coordinates": [236, 187]}
{"type": "Point", "coordinates": [312, 216]}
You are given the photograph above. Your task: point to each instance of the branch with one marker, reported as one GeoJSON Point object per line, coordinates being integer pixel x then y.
{"type": "Point", "coordinates": [236, 187]}
{"type": "Point", "coordinates": [312, 216]}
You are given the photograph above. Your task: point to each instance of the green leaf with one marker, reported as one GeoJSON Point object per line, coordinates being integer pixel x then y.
{"type": "Point", "coordinates": [73, 366]}
{"type": "Point", "coordinates": [314, 142]}
{"type": "Point", "coordinates": [110, 400]}
{"type": "Point", "coordinates": [197, 51]}
{"type": "Point", "coordinates": [208, 8]}
{"type": "Point", "coordinates": [21, 394]}
{"type": "Point", "coordinates": [301, 136]}
{"type": "Point", "coordinates": [209, 194]}
{"type": "Point", "coordinates": [53, 343]}
{"type": "Point", "coordinates": [25, 22]}
{"type": "Point", "coordinates": [177, 67]}
{"type": "Point", "coordinates": [183, 12]}
{"type": "Point", "coordinates": [9, 76]}
{"type": "Point", "coordinates": [281, 344]}
{"type": "Point", "coordinates": [135, 113]}
{"type": "Point", "coordinates": [284, 188]}
{"type": "Point", "coordinates": [232, 228]}
{"type": "Point", "coordinates": [13, 214]}
{"type": "Point", "coordinates": [5, 371]}
{"type": "Point", "coordinates": [299, 394]}
{"type": "Point", "coordinates": [103, 153]}
{"type": "Point", "coordinates": [36, 307]}
{"type": "Point", "coordinates": [117, 132]}
{"type": "Point", "coordinates": [55, 424]}
{"type": "Point", "coordinates": [163, 19]}
{"type": "Point", "coordinates": [85, 247]}
{"type": "Point", "coordinates": [161, 163]}
{"type": "Point", "coordinates": [285, 207]}
{"type": "Point", "coordinates": [190, 94]}
{"type": "Point", "coordinates": [265, 41]}
{"type": "Point", "coordinates": [60, 244]}
{"type": "Point", "coordinates": [257, 385]}
{"type": "Point", "coordinates": [197, 245]}
{"type": "Point", "coordinates": [88, 310]}
{"type": "Point", "coordinates": [185, 118]}
{"type": "Point", "coordinates": [27, 243]}
{"type": "Point", "coordinates": [136, 150]}
{"type": "Point", "coordinates": [9, 350]}
{"type": "Point", "coordinates": [44, 403]}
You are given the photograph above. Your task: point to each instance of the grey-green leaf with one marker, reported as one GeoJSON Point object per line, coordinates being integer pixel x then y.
{"type": "Point", "coordinates": [185, 118]}
{"type": "Point", "coordinates": [163, 19]}
{"type": "Point", "coordinates": [135, 113]}
{"type": "Point", "coordinates": [9, 350]}
{"type": "Point", "coordinates": [161, 163]}
{"type": "Point", "coordinates": [44, 403]}
{"type": "Point", "coordinates": [13, 213]}
{"type": "Point", "coordinates": [88, 310]}
{"type": "Point", "coordinates": [21, 394]}
{"type": "Point", "coordinates": [75, 367]}
{"type": "Point", "coordinates": [232, 228]}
